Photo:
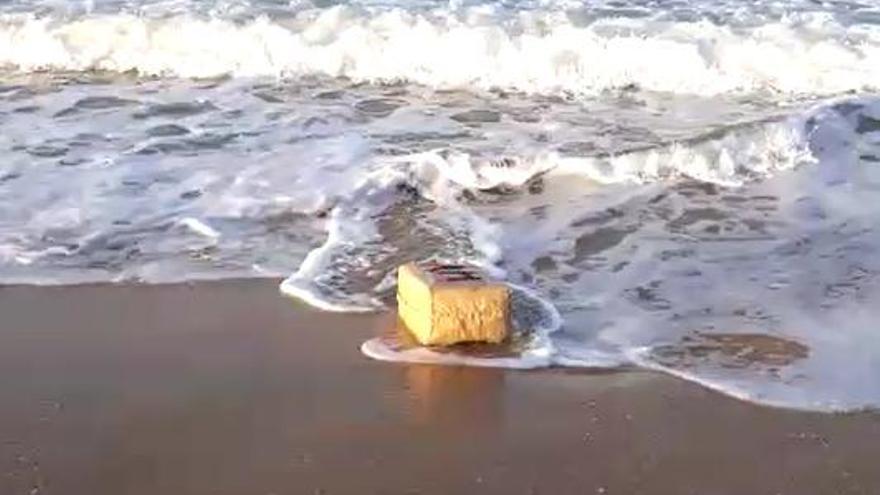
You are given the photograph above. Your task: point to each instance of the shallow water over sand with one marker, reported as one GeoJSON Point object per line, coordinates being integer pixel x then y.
{"type": "Point", "coordinates": [691, 186]}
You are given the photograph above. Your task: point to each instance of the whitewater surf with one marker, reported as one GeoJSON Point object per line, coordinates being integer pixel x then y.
{"type": "Point", "coordinates": [690, 188]}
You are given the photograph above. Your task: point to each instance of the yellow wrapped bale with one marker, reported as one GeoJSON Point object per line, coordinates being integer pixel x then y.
{"type": "Point", "coordinates": [449, 304]}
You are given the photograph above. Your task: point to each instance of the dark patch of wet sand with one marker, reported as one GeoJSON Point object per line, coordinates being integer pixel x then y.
{"type": "Point", "coordinates": [229, 388]}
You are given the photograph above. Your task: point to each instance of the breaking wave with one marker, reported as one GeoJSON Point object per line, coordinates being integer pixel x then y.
{"type": "Point", "coordinates": [479, 47]}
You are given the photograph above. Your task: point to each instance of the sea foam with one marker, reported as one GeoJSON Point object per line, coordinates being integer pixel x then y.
{"type": "Point", "coordinates": [729, 285]}
{"type": "Point", "coordinates": [480, 47]}
{"type": "Point", "coordinates": [687, 193]}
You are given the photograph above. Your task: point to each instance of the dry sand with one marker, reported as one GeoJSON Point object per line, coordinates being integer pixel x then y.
{"type": "Point", "coordinates": [229, 388]}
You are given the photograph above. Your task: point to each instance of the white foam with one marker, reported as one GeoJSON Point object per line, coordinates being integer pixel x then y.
{"type": "Point", "coordinates": [200, 227]}
{"type": "Point", "coordinates": [737, 157]}
{"type": "Point", "coordinates": [377, 349]}
{"type": "Point", "coordinates": [807, 276]}
{"type": "Point", "coordinates": [775, 217]}
{"type": "Point", "coordinates": [810, 270]}
{"type": "Point", "coordinates": [440, 176]}
{"type": "Point", "coordinates": [305, 283]}
{"type": "Point", "coordinates": [350, 226]}
{"type": "Point", "coordinates": [474, 47]}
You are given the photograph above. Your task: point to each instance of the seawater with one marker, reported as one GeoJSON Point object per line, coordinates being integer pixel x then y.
{"type": "Point", "coordinates": [683, 186]}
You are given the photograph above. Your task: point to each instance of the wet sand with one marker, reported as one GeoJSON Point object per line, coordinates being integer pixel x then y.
{"type": "Point", "coordinates": [229, 388]}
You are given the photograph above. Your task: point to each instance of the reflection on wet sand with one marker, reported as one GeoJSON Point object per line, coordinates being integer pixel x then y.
{"type": "Point", "coordinates": [441, 395]}
{"type": "Point", "coordinates": [467, 398]}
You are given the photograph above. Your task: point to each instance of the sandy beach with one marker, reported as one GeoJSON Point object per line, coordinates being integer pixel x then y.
{"type": "Point", "coordinates": [230, 388]}
{"type": "Point", "coordinates": [205, 206]}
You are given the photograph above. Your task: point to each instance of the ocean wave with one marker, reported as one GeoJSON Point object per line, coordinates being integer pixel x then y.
{"type": "Point", "coordinates": [730, 280]}
{"type": "Point", "coordinates": [535, 52]}
{"type": "Point", "coordinates": [720, 249]}
{"type": "Point", "coordinates": [453, 181]}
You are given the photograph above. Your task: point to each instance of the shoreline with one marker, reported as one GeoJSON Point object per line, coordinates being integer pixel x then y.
{"type": "Point", "coordinates": [227, 387]}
